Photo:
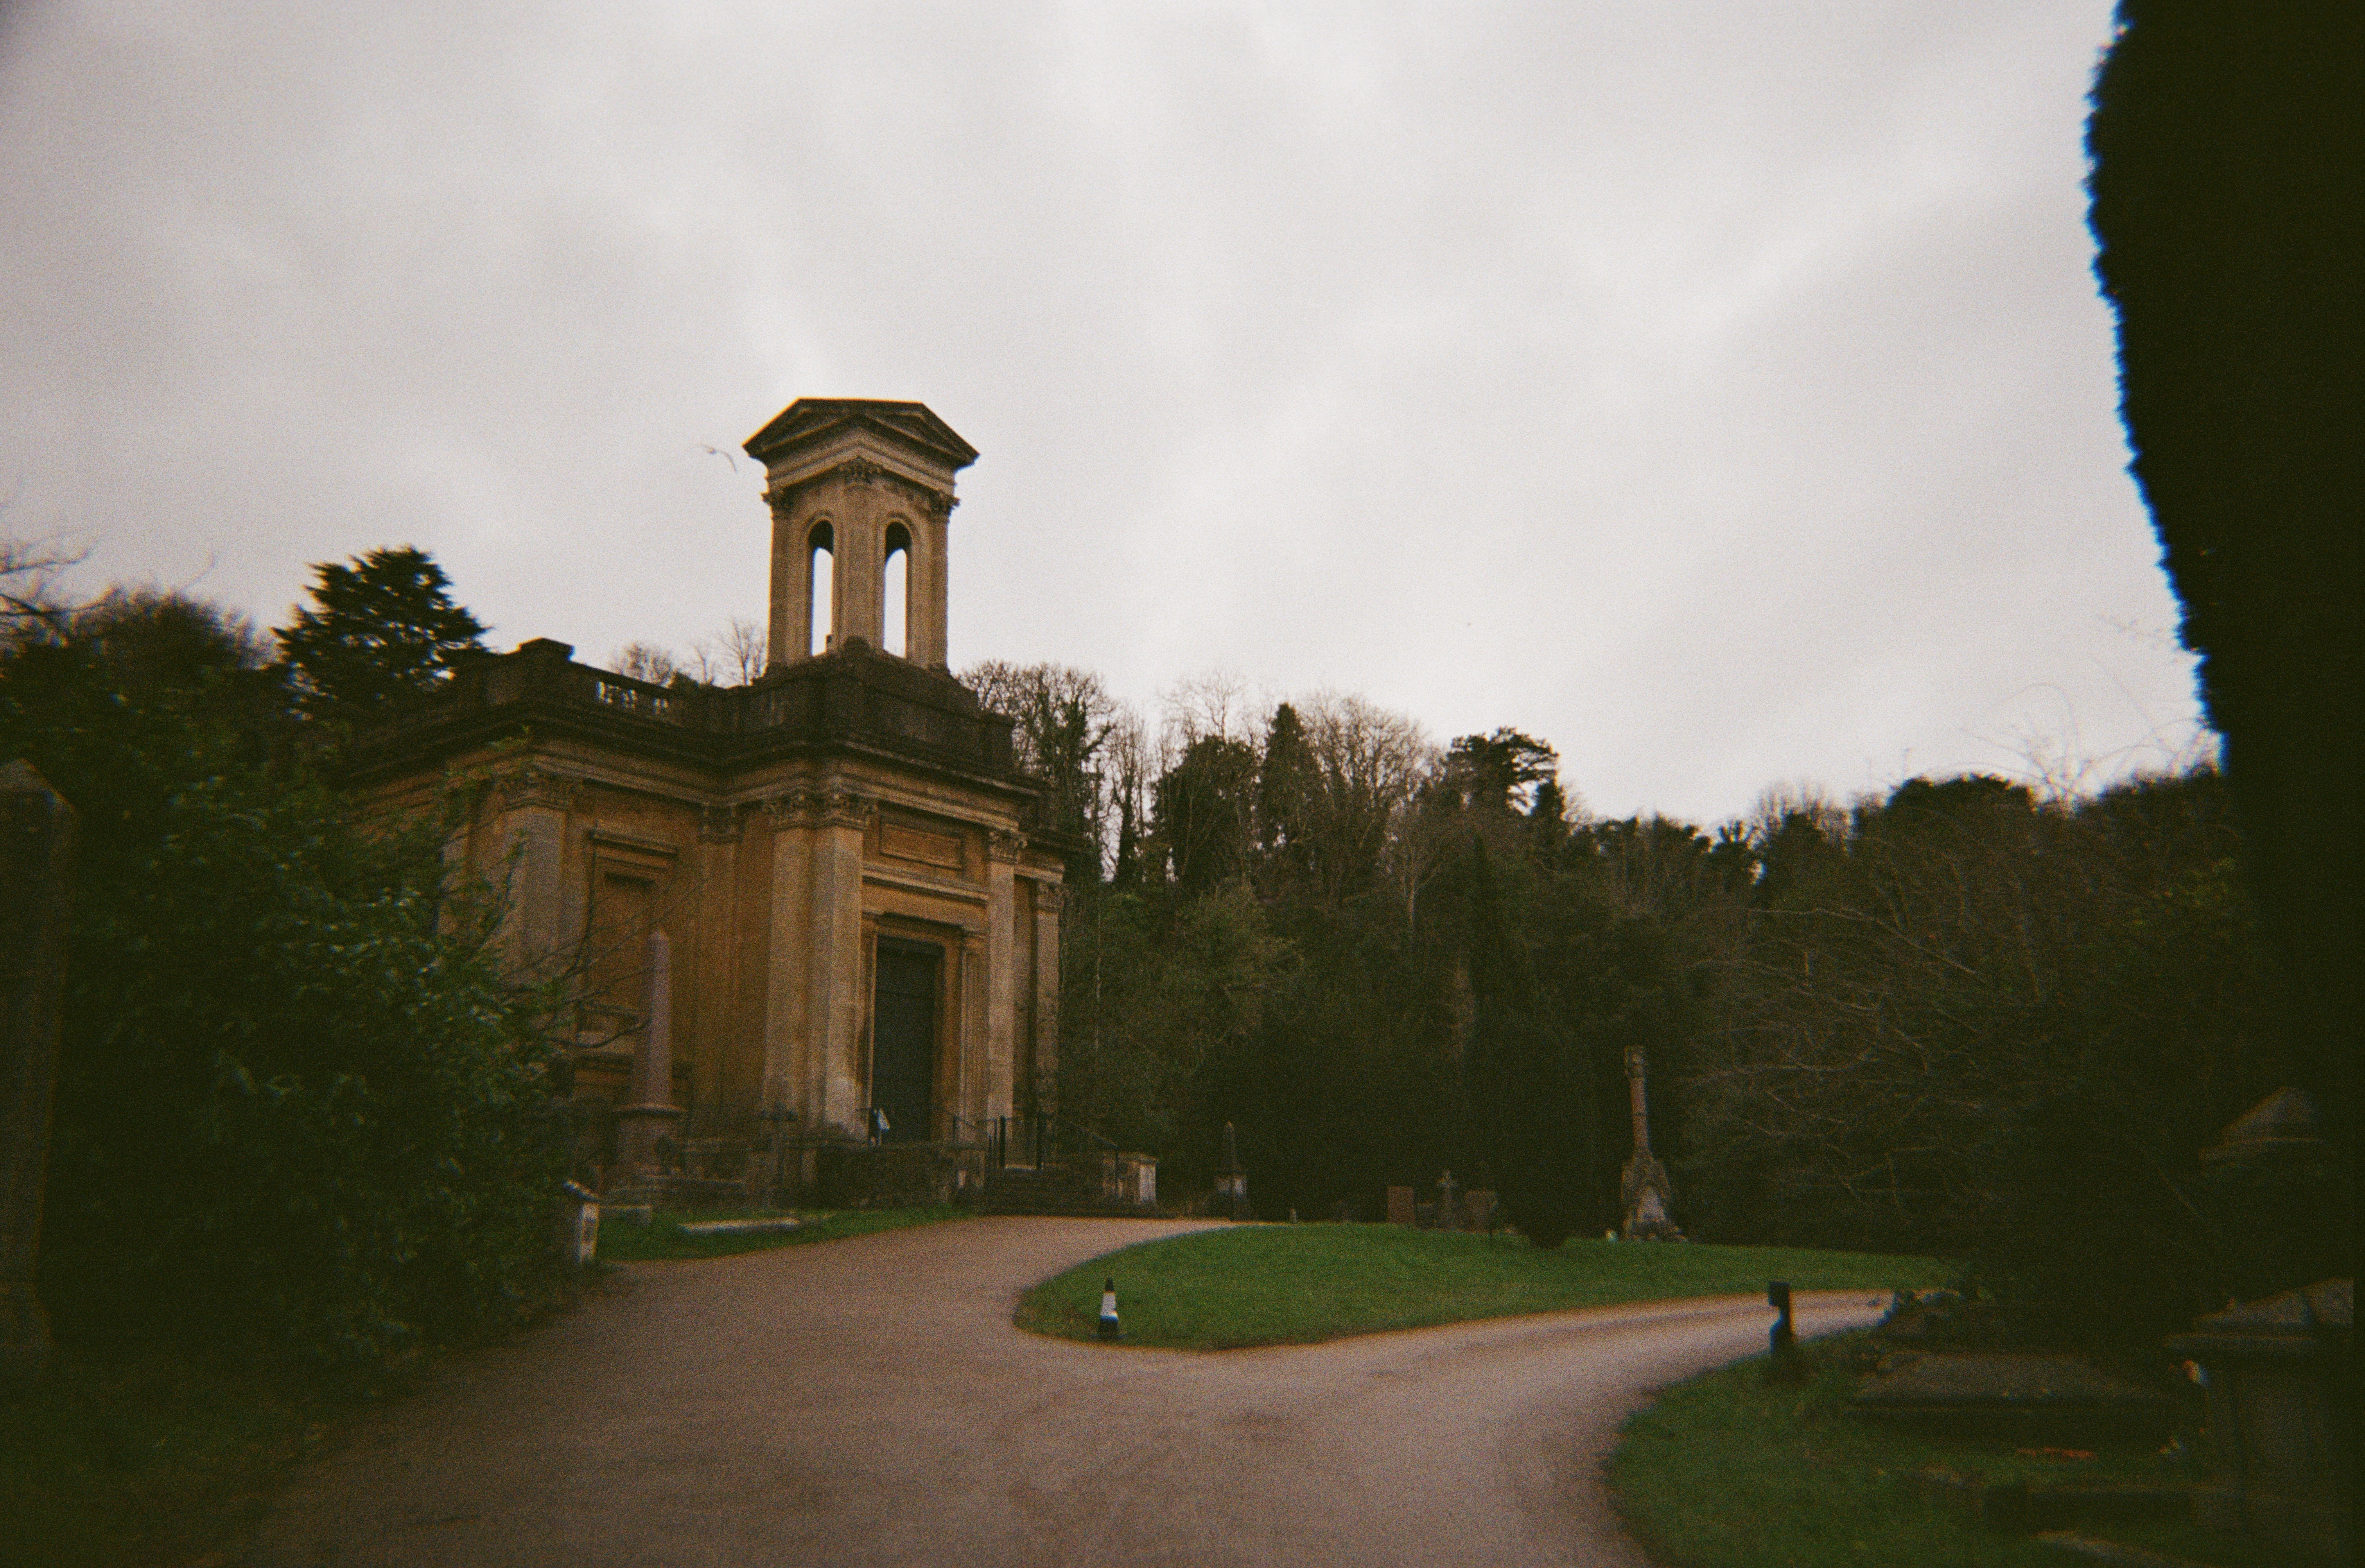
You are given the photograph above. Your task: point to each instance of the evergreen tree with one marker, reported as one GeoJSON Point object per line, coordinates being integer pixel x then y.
{"type": "Point", "coordinates": [381, 633]}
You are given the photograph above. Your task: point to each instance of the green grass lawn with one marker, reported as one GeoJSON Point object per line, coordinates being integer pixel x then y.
{"type": "Point", "coordinates": [662, 1237]}
{"type": "Point", "coordinates": [1730, 1470]}
{"type": "Point", "coordinates": [1294, 1285]}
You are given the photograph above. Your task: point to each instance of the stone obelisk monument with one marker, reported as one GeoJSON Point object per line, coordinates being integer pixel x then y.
{"type": "Point", "coordinates": [652, 1113]}
{"type": "Point", "coordinates": [1648, 1195]}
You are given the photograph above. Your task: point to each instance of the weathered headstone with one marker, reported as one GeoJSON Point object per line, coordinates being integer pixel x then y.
{"type": "Point", "coordinates": [1448, 1216]}
{"type": "Point", "coordinates": [1400, 1206]}
{"type": "Point", "coordinates": [2281, 1450]}
{"type": "Point", "coordinates": [36, 861]}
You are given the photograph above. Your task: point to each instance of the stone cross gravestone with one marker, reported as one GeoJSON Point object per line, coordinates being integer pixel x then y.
{"type": "Point", "coordinates": [36, 829]}
{"type": "Point", "coordinates": [1448, 1218]}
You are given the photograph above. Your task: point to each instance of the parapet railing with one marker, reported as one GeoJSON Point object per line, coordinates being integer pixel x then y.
{"type": "Point", "coordinates": [856, 697]}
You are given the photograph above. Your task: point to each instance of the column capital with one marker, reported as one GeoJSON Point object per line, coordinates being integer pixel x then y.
{"type": "Point", "coordinates": [818, 808]}
{"type": "Point", "coordinates": [1005, 847]}
{"type": "Point", "coordinates": [538, 787]}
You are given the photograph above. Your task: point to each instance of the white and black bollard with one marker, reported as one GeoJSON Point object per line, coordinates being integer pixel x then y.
{"type": "Point", "coordinates": [1109, 1329]}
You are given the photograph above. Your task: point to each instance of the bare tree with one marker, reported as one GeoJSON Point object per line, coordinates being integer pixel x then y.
{"type": "Point", "coordinates": [733, 656]}
{"type": "Point", "coordinates": [646, 661]}
{"type": "Point", "coordinates": [30, 601]}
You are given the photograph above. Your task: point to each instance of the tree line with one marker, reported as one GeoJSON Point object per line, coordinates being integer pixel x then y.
{"type": "Point", "coordinates": [303, 1103]}
{"type": "Point", "coordinates": [1957, 1016]}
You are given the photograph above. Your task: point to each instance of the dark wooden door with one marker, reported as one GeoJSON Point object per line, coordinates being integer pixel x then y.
{"type": "Point", "coordinates": [903, 1039]}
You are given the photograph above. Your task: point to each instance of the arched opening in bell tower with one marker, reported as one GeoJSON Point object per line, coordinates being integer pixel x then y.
{"type": "Point", "coordinates": [821, 572]}
{"type": "Point", "coordinates": [895, 593]}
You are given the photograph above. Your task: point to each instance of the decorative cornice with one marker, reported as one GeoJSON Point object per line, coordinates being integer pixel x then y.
{"type": "Point", "coordinates": [1004, 847]}
{"type": "Point", "coordinates": [860, 470]}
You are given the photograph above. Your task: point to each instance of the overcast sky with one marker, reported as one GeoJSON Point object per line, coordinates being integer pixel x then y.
{"type": "Point", "coordinates": [1719, 392]}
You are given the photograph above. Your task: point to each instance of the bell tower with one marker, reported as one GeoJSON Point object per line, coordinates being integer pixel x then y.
{"type": "Point", "coordinates": [861, 480]}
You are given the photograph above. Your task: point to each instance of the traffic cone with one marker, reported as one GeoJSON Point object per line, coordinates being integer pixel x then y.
{"type": "Point", "coordinates": [1109, 1329]}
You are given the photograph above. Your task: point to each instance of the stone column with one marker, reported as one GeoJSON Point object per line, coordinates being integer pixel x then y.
{"type": "Point", "coordinates": [967, 1090]}
{"type": "Point", "coordinates": [652, 1113]}
{"type": "Point", "coordinates": [930, 535]}
{"type": "Point", "coordinates": [534, 849]}
{"type": "Point", "coordinates": [790, 1078]}
{"type": "Point", "coordinates": [789, 632]}
{"type": "Point", "coordinates": [834, 963]}
{"type": "Point", "coordinates": [36, 830]}
{"type": "Point", "coordinates": [855, 602]}
{"type": "Point", "coordinates": [1045, 1059]}
{"type": "Point", "coordinates": [1002, 853]}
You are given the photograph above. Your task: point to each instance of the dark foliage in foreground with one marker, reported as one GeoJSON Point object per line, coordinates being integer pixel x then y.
{"type": "Point", "coordinates": [2228, 147]}
{"type": "Point", "coordinates": [299, 1108]}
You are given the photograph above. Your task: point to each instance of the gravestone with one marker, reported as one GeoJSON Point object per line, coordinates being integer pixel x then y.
{"type": "Point", "coordinates": [2282, 1448]}
{"type": "Point", "coordinates": [1400, 1206]}
{"type": "Point", "coordinates": [2024, 1397]}
{"type": "Point", "coordinates": [35, 858]}
{"type": "Point", "coordinates": [1448, 1216]}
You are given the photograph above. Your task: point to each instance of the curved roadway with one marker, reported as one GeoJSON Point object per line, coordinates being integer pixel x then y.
{"type": "Point", "coordinates": [869, 1402]}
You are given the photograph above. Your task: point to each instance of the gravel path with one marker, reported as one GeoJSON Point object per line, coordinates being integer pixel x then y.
{"type": "Point", "coordinates": [867, 1402]}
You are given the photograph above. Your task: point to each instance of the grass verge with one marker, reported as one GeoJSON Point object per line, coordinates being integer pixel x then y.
{"type": "Point", "coordinates": [1295, 1284]}
{"type": "Point", "coordinates": [145, 1462]}
{"type": "Point", "coordinates": [662, 1238]}
{"type": "Point", "coordinates": [1730, 1470]}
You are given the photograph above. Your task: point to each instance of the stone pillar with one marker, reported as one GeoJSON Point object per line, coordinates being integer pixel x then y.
{"type": "Point", "coordinates": [533, 850]}
{"type": "Point", "coordinates": [965, 1089]}
{"type": "Point", "coordinates": [652, 1113]}
{"type": "Point", "coordinates": [856, 600]}
{"type": "Point", "coordinates": [838, 1006]}
{"type": "Point", "coordinates": [994, 1098]}
{"type": "Point", "coordinates": [1045, 1059]}
{"type": "Point", "coordinates": [926, 626]}
{"type": "Point", "coordinates": [789, 636]}
{"type": "Point", "coordinates": [790, 1080]}
{"type": "Point", "coordinates": [36, 830]}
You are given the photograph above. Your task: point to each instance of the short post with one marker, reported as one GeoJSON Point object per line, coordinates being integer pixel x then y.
{"type": "Point", "coordinates": [37, 830]}
{"type": "Point", "coordinates": [1782, 1339]}
{"type": "Point", "coordinates": [1109, 1328]}
{"type": "Point", "coordinates": [578, 1224]}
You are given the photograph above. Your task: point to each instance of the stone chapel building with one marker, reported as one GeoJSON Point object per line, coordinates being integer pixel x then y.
{"type": "Point", "coordinates": [825, 893]}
